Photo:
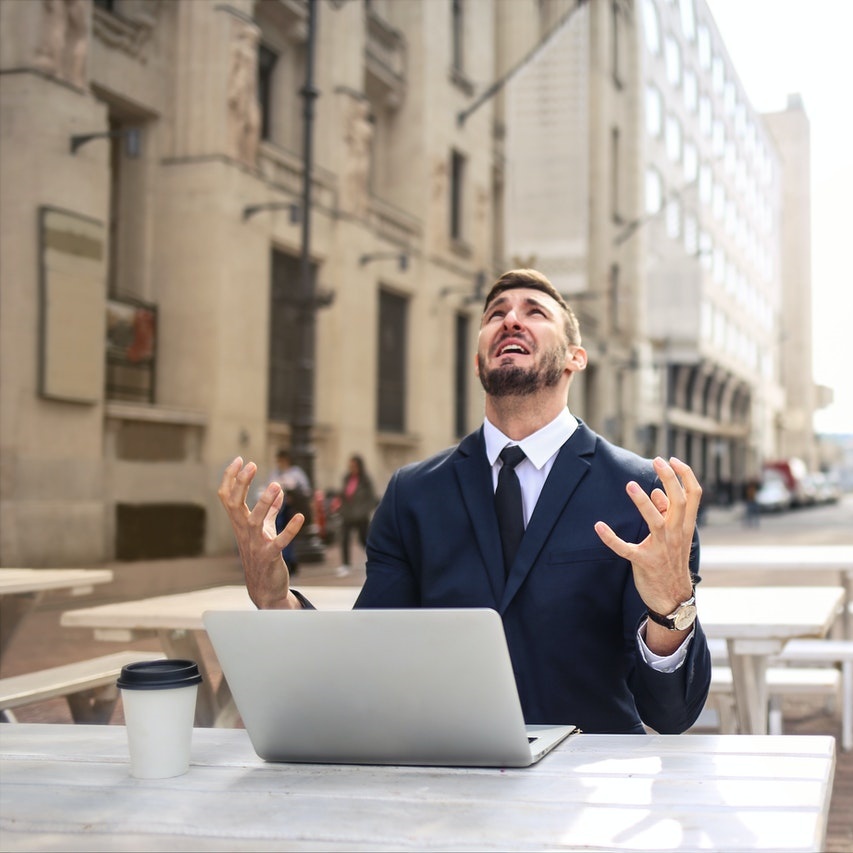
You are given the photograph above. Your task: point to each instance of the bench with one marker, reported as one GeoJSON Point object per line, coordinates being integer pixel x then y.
{"type": "Point", "coordinates": [832, 671]}
{"type": "Point", "coordinates": [87, 685]}
{"type": "Point", "coordinates": [835, 653]}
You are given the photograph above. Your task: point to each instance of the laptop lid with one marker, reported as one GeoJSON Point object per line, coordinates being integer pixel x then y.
{"type": "Point", "coordinates": [421, 686]}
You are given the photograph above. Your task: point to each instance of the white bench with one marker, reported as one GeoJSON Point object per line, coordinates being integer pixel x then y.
{"type": "Point", "coordinates": [831, 672]}
{"type": "Point", "coordinates": [839, 655]}
{"type": "Point", "coordinates": [87, 685]}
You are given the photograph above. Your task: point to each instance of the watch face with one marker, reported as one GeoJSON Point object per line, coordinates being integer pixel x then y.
{"type": "Point", "coordinates": [684, 617]}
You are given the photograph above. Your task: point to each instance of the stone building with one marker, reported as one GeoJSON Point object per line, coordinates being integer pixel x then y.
{"type": "Point", "coordinates": [173, 293]}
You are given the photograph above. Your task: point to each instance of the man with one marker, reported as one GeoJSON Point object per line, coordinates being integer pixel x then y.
{"type": "Point", "coordinates": [576, 596]}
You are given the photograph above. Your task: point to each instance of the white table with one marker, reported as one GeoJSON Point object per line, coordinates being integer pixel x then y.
{"type": "Point", "coordinates": [67, 788]}
{"type": "Point", "coordinates": [785, 558]}
{"type": "Point", "coordinates": [21, 590]}
{"type": "Point", "coordinates": [756, 622]}
{"type": "Point", "coordinates": [176, 620]}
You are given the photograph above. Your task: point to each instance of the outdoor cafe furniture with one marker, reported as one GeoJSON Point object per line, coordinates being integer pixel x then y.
{"type": "Point", "coordinates": [754, 622]}
{"type": "Point", "coordinates": [176, 620]}
{"type": "Point", "coordinates": [22, 589]}
{"type": "Point", "coordinates": [68, 788]}
{"type": "Point", "coordinates": [805, 560]}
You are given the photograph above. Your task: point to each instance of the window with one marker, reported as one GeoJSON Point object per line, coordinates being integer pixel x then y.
{"type": "Point", "coordinates": [619, 44]}
{"type": "Point", "coordinates": [461, 371]}
{"type": "Point", "coordinates": [266, 63]}
{"type": "Point", "coordinates": [391, 367]}
{"type": "Point", "coordinates": [729, 98]}
{"type": "Point", "coordinates": [704, 39]}
{"type": "Point", "coordinates": [691, 163]}
{"type": "Point", "coordinates": [457, 191]}
{"type": "Point", "coordinates": [615, 178]}
{"type": "Point", "coordinates": [718, 74]}
{"type": "Point", "coordinates": [651, 27]}
{"type": "Point", "coordinates": [719, 202]}
{"type": "Point", "coordinates": [285, 329]}
{"type": "Point", "coordinates": [691, 91]}
{"type": "Point", "coordinates": [654, 111]}
{"type": "Point", "coordinates": [654, 191]}
{"type": "Point", "coordinates": [718, 138]}
{"type": "Point", "coordinates": [688, 19]}
{"type": "Point", "coordinates": [672, 55]}
{"type": "Point", "coordinates": [706, 117]}
{"type": "Point", "coordinates": [706, 184]}
{"type": "Point", "coordinates": [457, 35]}
{"type": "Point", "coordinates": [673, 138]}
{"type": "Point", "coordinates": [673, 218]}
{"type": "Point", "coordinates": [691, 234]}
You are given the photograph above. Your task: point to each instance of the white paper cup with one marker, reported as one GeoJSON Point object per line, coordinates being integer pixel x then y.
{"type": "Point", "coordinates": [159, 699]}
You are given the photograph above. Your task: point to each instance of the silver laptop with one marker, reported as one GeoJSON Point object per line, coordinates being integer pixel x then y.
{"type": "Point", "coordinates": [422, 686]}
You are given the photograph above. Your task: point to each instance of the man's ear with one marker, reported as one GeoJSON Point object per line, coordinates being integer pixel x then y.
{"type": "Point", "coordinates": [477, 364]}
{"type": "Point", "coordinates": [577, 359]}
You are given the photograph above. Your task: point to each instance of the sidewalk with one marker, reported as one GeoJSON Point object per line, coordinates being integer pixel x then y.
{"type": "Point", "coordinates": [42, 642]}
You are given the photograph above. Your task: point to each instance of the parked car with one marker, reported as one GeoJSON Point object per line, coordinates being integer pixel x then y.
{"type": "Point", "coordinates": [795, 478]}
{"type": "Point", "coordinates": [773, 494]}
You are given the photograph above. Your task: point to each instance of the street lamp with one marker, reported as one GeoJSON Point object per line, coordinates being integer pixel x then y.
{"type": "Point", "coordinates": [302, 423]}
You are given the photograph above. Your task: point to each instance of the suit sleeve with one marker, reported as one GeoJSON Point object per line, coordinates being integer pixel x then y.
{"type": "Point", "coordinates": [391, 579]}
{"type": "Point", "coordinates": [670, 702]}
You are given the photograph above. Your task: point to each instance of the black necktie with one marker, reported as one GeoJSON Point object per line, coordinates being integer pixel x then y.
{"type": "Point", "coordinates": [508, 504]}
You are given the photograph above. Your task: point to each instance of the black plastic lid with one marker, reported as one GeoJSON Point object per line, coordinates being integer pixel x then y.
{"type": "Point", "coordinates": [158, 675]}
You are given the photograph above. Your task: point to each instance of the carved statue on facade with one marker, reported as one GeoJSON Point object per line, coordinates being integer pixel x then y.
{"type": "Point", "coordinates": [359, 139]}
{"type": "Point", "coordinates": [63, 43]}
{"type": "Point", "coordinates": [244, 111]}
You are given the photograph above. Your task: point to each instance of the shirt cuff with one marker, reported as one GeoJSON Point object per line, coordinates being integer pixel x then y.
{"type": "Point", "coordinates": [306, 604]}
{"type": "Point", "coordinates": [663, 663]}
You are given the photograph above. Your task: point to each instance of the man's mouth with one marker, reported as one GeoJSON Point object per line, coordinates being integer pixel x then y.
{"type": "Point", "coordinates": [512, 348]}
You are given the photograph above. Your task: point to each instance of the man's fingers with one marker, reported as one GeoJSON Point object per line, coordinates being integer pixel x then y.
{"type": "Point", "coordinates": [650, 512]}
{"type": "Point", "coordinates": [612, 541]}
{"type": "Point", "coordinates": [228, 482]}
{"type": "Point", "coordinates": [660, 501]}
{"type": "Point", "coordinates": [692, 488]}
{"type": "Point", "coordinates": [290, 530]}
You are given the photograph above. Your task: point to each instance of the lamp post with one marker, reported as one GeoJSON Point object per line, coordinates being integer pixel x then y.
{"type": "Point", "coordinates": [302, 417]}
{"type": "Point", "coordinates": [309, 547]}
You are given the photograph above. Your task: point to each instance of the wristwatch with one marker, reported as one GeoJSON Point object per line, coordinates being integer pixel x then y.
{"type": "Point", "coordinates": [680, 619]}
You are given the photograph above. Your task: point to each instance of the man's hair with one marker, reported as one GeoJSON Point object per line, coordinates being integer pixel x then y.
{"type": "Point", "coordinates": [534, 280]}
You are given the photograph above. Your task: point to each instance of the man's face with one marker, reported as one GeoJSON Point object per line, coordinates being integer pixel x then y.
{"type": "Point", "coordinates": [522, 347]}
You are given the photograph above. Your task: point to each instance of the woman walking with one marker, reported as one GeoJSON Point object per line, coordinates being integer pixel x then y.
{"type": "Point", "coordinates": [358, 500]}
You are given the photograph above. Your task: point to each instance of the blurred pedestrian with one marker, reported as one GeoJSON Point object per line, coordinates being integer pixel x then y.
{"type": "Point", "coordinates": [753, 510]}
{"type": "Point", "coordinates": [358, 500]}
{"type": "Point", "coordinates": [296, 487]}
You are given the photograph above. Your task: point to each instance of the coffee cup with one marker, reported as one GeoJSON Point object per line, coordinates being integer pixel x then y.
{"type": "Point", "coordinates": [159, 698]}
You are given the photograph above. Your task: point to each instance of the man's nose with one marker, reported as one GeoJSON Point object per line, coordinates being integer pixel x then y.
{"type": "Point", "coordinates": [511, 318]}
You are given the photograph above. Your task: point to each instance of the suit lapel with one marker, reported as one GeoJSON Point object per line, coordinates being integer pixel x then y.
{"type": "Point", "coordinates": [570, 467]}
{"type": "Point", "coordinates": [475, 483]}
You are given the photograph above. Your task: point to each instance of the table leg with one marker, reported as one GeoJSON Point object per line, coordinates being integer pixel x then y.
{"type": "Point", "coordinates": [749, 681]}
{"type": "Point", "coordinates": [213, 707]}
{"type": "Point", "coordinates": [13, 609]}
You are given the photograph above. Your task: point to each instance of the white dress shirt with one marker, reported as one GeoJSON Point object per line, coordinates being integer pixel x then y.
{"type": "Point", "coordinates": [541, 450]}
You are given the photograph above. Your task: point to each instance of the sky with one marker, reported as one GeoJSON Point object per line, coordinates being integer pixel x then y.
{"type": "Point", "coordinates": [803, 46]}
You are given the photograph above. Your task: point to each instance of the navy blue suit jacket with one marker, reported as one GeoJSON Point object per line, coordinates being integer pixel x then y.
{"type": "Point", "coordinates": [569, 606]}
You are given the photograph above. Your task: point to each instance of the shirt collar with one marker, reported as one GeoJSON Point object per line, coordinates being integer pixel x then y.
{"type": "Point", "coordinates": [538, 447]}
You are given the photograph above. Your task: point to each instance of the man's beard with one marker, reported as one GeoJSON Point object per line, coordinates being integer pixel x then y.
{"type": "Point", "coordinates": [521, 381]}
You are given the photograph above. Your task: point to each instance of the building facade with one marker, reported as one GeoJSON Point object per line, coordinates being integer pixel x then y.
{"type": "Point", "coordinates": [173, 292]}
